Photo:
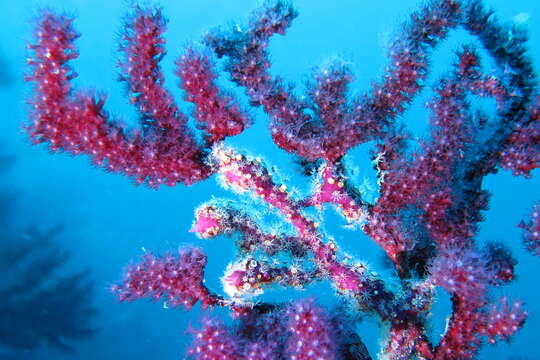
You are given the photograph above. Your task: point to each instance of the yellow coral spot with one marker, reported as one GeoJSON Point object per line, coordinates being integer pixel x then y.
{"type": "Point", "coordinates": [259, 276]}
{"type": "Point", "coordinates": [315, 224]}
{"type": "Point", "coordinates": [340, 184]}
{"type": "Point", "coordinates": [283, 188]}
{"type": "Point", "coordinates": [331, 181]}
{"type": "Point", "coordinates": [238, 157]}
{"type": "Point", "coordinates": [225, 159]}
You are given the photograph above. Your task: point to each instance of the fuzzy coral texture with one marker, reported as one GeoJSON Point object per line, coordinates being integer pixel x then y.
{"type": "Point", "coordinates": [430, 200]}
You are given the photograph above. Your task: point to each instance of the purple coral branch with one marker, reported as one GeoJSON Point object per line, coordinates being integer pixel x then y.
{"type": "Point", "coordinates": [175, 279]}
{"type": "Point", "coordinates": [531, 227]}
{"type": "Point", "coordinates": [425, 219]}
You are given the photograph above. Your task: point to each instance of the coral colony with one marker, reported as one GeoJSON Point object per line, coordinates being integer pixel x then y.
{"type": "Point", "coordinates": [425, 218]}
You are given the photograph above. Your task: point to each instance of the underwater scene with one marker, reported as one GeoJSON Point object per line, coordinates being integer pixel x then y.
{"type": "Point", "coordinates": [269, 179]}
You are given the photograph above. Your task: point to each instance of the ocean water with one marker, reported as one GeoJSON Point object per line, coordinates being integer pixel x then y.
{"type": "Point", "coordinates": [108, 221]}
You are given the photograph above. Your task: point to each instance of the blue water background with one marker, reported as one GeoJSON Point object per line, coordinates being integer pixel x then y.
{"type": "Point", "coordinates": [109, 220]}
